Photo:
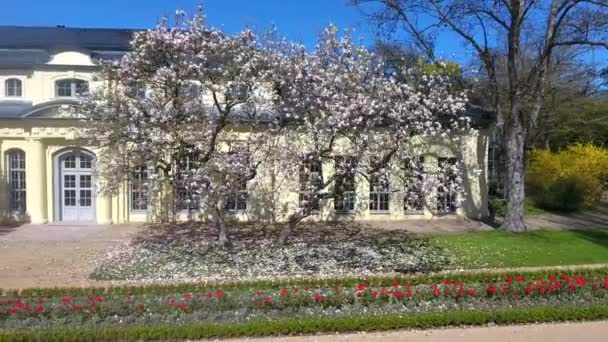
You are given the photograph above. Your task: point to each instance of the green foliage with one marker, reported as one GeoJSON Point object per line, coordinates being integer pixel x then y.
{"type": "Point", "coordinates": [320, 324]}
{"type": "Point", "coordinates": [452, 69]}
{"type": "Point", "coordinates": [529, 249]}
{"type": "Point", "coordinates": [572, 119]}
{"type": "Point", "coordinates": [565, 194]}
{"type": "Point", "coordinates": [562, 176]}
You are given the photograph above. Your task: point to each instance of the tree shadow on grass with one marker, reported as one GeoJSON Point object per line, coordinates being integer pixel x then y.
{"type": "Point", "coordinates": [598, 236]}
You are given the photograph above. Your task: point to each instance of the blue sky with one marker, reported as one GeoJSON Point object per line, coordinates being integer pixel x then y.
{"type": "Point", "coordinates": [299, 20]}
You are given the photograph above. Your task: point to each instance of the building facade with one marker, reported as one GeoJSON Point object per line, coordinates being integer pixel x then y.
{"type": "Point", "coordinates": [49, 177]}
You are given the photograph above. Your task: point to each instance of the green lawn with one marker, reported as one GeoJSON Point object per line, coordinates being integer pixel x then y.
{"type": "Point", "coordinates": [534, 248]}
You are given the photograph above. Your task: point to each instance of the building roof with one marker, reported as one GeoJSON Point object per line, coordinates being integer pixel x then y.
{"type": "Point", "coordinates": [60, 37]}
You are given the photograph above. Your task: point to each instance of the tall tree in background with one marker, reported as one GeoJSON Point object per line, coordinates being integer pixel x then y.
{"type": "Point", "coordinates": [527, 34]}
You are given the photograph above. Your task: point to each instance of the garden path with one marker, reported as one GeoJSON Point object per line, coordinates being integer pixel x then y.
{"type": "Point", "coordinates": [559, 332]}
{"type": "Point", "coordinates": [55, 255]}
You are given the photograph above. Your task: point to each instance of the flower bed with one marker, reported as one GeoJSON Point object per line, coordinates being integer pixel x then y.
{"type": "Point", "coordinates": [112, 309]}
{"type": "Point", "coordinates": [152, 260]}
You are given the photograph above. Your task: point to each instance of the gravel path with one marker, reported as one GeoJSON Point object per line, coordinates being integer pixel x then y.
{"type": "Point", "coordinates": [55, 255]}
{"type": "Point", "coordinates": [562, 332]}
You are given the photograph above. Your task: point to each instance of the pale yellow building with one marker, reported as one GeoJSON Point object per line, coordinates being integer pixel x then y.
{"type": "Point", "coordinates": [49, 178]}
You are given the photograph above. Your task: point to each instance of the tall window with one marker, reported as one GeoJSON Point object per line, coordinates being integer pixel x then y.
{"type": "Point", "coordinates": [139, 189]}
{"type": "Point", "coordinates": [344, 197]}
{"type": "Point", "coordinates": [16, 180]}
{"type": "Point", "coordinates": [187, 196]}
{"type": "Point", "coordinates": [413, 201]}
{"type": "Point", "coordinates": [379, 192]}
{"type": "Point", "coordinates": [237, 200]}
{"type": "Point", "coordinates": [311, 182]}
{"type": "Point", "coordinates": [12, 87]}
{"type": "Point", "coordinates": [446, 192]}
{"type": "Point", "coordinates": [71, 87]}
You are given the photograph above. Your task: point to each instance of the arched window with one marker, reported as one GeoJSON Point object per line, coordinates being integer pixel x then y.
{"type": "Point", "coordinates": [16, 180]}
{"type": "Point", "coordinates": [71, 87]}
{"type": "Point", "coordinates": [12, 87]}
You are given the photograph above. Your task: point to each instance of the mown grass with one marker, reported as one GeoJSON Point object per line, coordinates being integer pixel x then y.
{"type": "Point", "coordinates": [317, 325]}
{"type": "Point", "coordinates": [529, 249]}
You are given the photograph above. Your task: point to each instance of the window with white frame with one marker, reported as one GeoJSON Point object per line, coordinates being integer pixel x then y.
{"type": "Point", "coordinates": [71, 87]}
{"type": "Point", "coordinates": [139, 189]}
{"type": "Point", "coordinates": [13, 87]}
{"type": "Point", "coordinates": [446, 192]}
{"type": "Point", "coordinates": [413, 199]}
{"type": "Point", "coordinates": [344, 189]}
{"type": "Point", "coordinates": [16, 180]}
{"type": "Point", "coordinates": [186, 192]}
{"type": "Point", "coordinates": [237, 200]}
{"type": "Point", "coordinates": [379, 191]}
{"type": "Point", "coordinates": [311, 182]}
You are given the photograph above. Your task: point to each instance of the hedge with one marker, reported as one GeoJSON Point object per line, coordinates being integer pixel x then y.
{"type": "Point", "coordinates": [302, 282]}
{"type": "Point", "coordinates": [317, 325]}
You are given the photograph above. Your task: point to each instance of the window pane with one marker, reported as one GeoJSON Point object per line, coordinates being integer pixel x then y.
{"type": "Point", "coordinates": [69, 198]}
{"type": "Point", "coordinates": [13, 87]}
{"type": "Point", "coordinates": [69, 162]}
{"type": "Point", "coordinates": [64, 88]}
{"type": "Point", "coordinates": [85, 198]}
{"type": "Point", "coordinates": [85, 162]}
{"type": "Point", "coordinates": [81, 87]}
{"type": "Point", "coordinates": [139, 197]}
{"type": "Point", "coordinates": [413, 200]}
{"type": "Point", "coordinates": [446, 194]}
{"type": "Point", "coordinates": [16, 181]}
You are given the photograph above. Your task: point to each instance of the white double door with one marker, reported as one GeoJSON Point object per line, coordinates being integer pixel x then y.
{"type": "Point", "coordinates": [77, 188]}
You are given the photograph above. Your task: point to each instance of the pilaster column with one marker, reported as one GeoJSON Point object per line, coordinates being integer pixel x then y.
{"type": "Point", "coordinates": [35, 181]}
{"type": "Point", "coordinates": [104, 209]}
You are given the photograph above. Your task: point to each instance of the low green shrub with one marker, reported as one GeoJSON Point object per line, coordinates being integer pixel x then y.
{"type": "Point", "coordinates": [566, 194]}
{"type": "Point", "coordinates": [319, 325]}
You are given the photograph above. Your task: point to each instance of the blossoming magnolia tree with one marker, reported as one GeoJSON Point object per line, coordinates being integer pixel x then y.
{"type": "Point", "coordinates": [190, 110]}
{"type": "Point", "coordinates": [336, 106]}
{"type": "Point", "coordinates": [165, 117]}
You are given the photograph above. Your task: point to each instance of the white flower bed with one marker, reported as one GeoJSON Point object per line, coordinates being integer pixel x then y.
{"type": "Point", "coordinates": [191, 259]}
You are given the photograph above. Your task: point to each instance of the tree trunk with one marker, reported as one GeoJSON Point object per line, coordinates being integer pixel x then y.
{"type": "Point", "coordinates": [515, 134]}
{"type": "Point", "coordinates": [288, 228]}
{"type": "Point", "coordinates": [223, 239]}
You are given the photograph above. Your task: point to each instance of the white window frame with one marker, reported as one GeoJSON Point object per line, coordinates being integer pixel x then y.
{"type": "Point", "coordinates": [446, 200]}
{"type": "Point", "coordinates": [418, 206]}
{"type": "Point", "coordinates": [186, 200]}
{"type": "Point", "coordinates": [236, 198]}
{"type": "Point", "coordinates": [139, 177]}
{"type": "Point", "coordinates": [73, 87]}
{"type": "Point", "coordinates": [17, 186]}
{"type": "Point", "coordinates": [377, 193]}
{"type": "Point", "coordinates": [311, 171]}
{"type": "Point", "coordinates": [19, 83]}
{"type": "Point", "coordinates": [345, 201]}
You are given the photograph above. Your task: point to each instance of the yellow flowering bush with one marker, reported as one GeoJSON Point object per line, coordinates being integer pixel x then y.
{"type": "Point", "coordinates": [584, 164]}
